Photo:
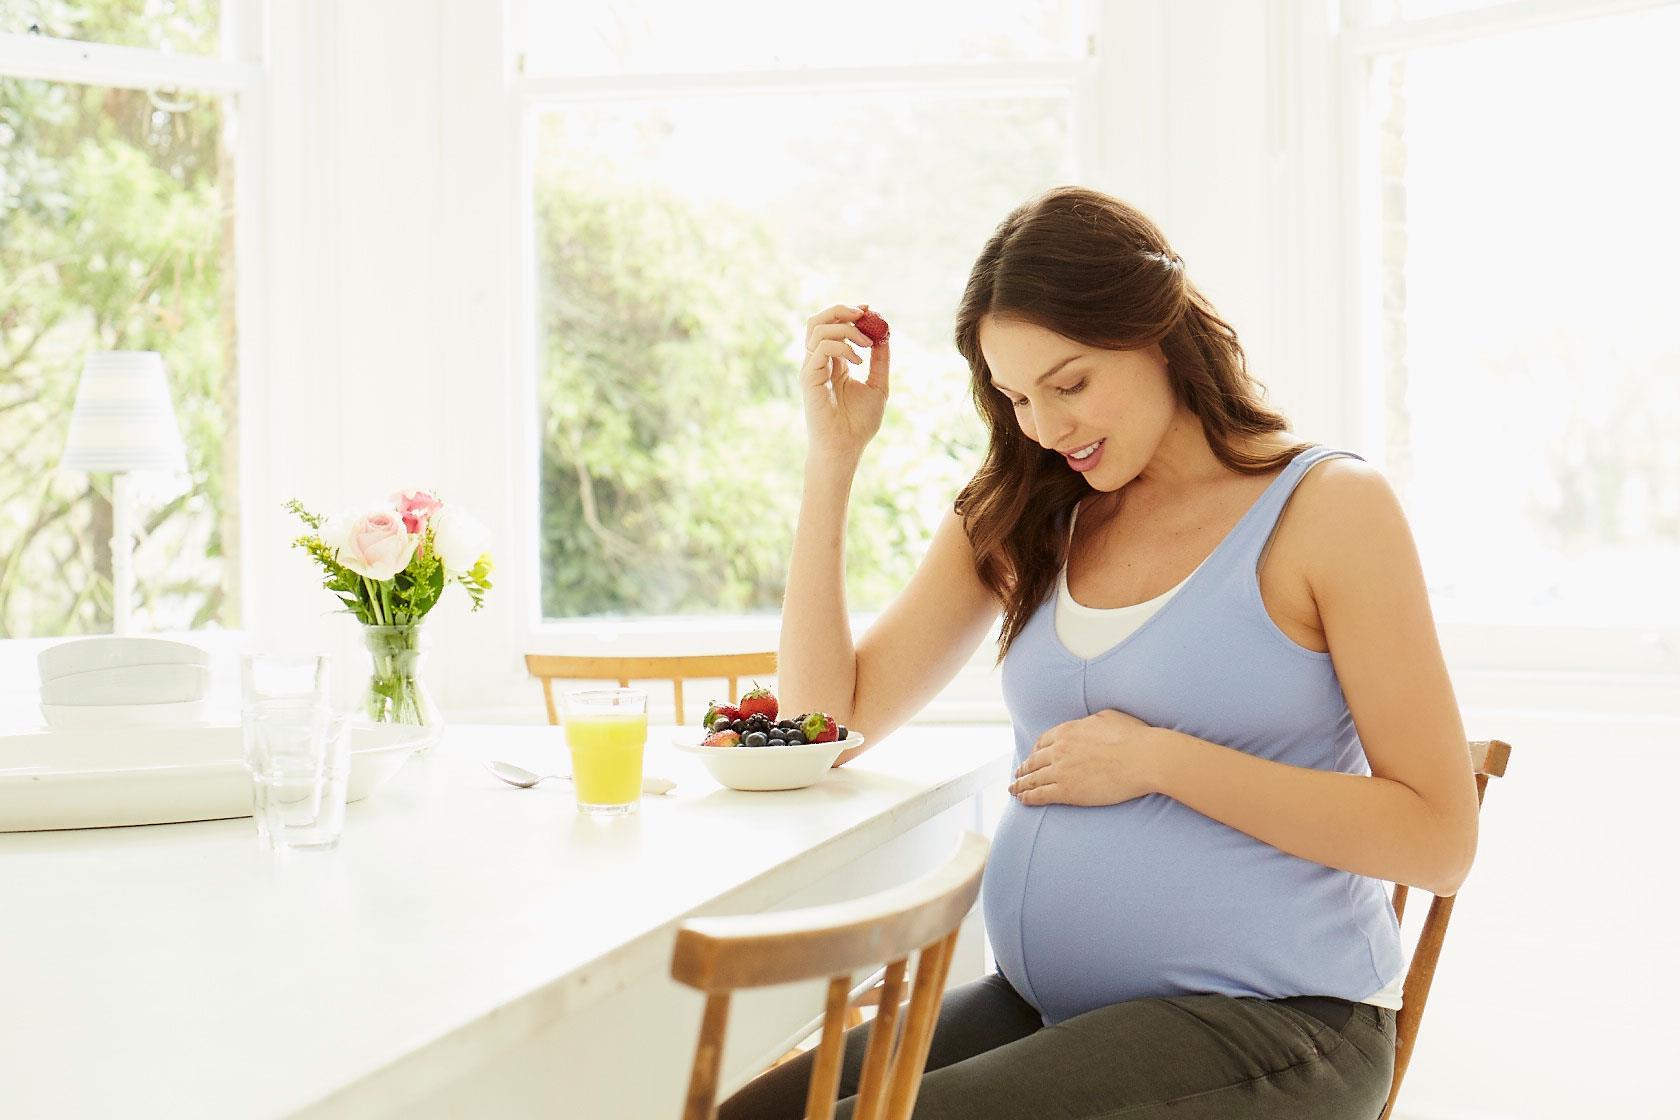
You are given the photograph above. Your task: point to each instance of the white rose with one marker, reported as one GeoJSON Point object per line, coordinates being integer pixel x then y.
{"type": "Point", "coordinates": [378, 546]}
{"type": "Point", "coordinates": [460, 538]}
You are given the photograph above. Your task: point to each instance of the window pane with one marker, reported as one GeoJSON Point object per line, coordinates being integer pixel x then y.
{"type": "Point", "coordinates": [179, 26]}
{"type": "Point", "coordinates": [682, 246]}
{"type": "Point", "coordinates": [115, 233]}
{"type": "Point", "coordinates": [1527, 246]}
{"type": "Point", "coordinates": [674, 36]}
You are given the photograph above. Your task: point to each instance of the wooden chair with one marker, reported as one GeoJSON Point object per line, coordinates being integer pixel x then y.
{"type": "Point", "coordinates": [720, 955]}
{"type": "Point", "coordinates": [1489, 758]}
{"type": "Point", "coordinates": [549, 668]}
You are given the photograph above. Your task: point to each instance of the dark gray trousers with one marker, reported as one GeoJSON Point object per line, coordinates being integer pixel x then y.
{"type": "Point", "coordinates": [1185, 1057]}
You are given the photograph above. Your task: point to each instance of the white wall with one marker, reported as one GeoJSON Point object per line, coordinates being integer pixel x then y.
{"type": "Point", "coordinates": [391, 311]}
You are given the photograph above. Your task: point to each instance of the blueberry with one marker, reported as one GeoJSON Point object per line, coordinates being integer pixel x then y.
{"type": "Point", "coordinates": [840, 733]}
{"type": "Point", "coordinates": [778, 742]}
{"type": "Point", "coordinates": [796, 736]}
{"type": "Point", "coordinates": [756, 739]}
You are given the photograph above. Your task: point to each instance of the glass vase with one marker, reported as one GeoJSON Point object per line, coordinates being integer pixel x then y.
{"type": "Point", "coordinates": [396, 693]}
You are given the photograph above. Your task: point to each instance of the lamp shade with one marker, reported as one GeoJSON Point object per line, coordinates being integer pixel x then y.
{"type": "Point", "coordinates": [124, 419]}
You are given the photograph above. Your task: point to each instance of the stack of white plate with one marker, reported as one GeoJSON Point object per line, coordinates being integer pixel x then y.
{"type": "Point", "coordinates": [90, 778]}
{"type": "Point", "coordinates": [123, 682]}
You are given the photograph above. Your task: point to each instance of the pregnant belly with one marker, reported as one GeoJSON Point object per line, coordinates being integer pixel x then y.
{"type": "Point", "coordinates": [1089, 906]}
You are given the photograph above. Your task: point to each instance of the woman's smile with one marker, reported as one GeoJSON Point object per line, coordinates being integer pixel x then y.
{"type": "Point", "coordinates": [1092, 454]}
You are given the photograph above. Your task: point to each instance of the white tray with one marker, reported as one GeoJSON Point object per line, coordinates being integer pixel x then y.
{"type": "Point", "coordinates": [87, 778]}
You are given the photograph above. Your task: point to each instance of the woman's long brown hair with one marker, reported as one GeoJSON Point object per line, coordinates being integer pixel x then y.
{"type": "Point", "coordinates": [1097, 271]}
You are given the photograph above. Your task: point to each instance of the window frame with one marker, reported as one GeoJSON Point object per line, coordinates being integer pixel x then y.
{"type": "Point", "coordinates": [1077, 78]}
{"type": "Point", "coordinates": [1521, 658]}
{"type": "Point", "coordinates": [240, 73]}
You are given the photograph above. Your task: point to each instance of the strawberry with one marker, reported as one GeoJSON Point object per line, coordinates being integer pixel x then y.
{"type": "Point", "coordinates": [819, 727]}
{"type": "Point", "coordinates": [873, 325]}
{"type": "Point", "coordinates": [722, 739]}
{"type": "Point", "coordinates": [719, 713]}
{"type": "Point", "coordinates": [760, 701]}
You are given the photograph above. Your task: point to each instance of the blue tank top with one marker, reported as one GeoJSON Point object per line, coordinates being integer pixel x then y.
{"type": "Point", "coordinates": [1087, 906]}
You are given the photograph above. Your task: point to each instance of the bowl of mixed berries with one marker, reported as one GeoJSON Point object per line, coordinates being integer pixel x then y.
{"type": "Point", "coordinates": [751, 745]}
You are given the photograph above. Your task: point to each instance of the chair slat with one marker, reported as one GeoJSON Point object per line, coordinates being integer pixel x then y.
{"type": "Point", "coordinates": [708, 1057]}
{"type": "Point", "coordinates": [825, 1073]}
{"type": "Point", "coordinates": [548, 700]}
{"type": "Point", "coordinates": [872, 1085]}
{"type": "Point", "coordinates": [905, 1078]}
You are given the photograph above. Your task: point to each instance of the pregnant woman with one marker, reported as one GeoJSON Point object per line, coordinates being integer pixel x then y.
{"type": "Point", "coordinates": [1232, 718]}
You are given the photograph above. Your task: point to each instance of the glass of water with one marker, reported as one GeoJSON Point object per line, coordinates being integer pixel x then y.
{"type": "Point", "coordinates": [274, 687]}
{"type": "Point", "coordinates": [300, 772]}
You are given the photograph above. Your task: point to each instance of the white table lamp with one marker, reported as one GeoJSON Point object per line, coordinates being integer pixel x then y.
{"type": "Point", "coordinates": [124, 422]}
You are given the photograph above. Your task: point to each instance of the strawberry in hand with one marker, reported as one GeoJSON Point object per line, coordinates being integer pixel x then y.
{"type": "Point", "coordinates": [872, 325]}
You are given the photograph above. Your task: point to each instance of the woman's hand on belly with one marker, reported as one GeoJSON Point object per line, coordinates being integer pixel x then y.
{"type": "Point", "coordinates": [1103, 759]}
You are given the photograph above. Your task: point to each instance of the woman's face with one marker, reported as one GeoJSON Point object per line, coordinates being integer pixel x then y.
{"type": "Point", "coordinates": [1118, 398]}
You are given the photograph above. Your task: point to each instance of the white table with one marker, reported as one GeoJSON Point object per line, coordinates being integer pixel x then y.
{"type": "Point", "coordinates": [469, 950]}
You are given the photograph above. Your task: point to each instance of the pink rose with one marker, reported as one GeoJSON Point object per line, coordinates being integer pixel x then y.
{"type": "Point", "coordinates": [415, 506]}
{"type": "Point", "coordinates": [378, 545]}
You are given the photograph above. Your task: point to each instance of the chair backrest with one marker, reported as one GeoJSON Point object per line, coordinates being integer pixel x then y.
{"type": "Point", "coordinates": [720, 955]}
{"type": "Point", "coordinates": [1488, 758]}
{"type": "Point", "coordinates": [548, 668]}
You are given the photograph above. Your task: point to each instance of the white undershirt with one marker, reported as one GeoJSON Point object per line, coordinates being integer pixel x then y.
{"type": "Point", "coordinates": [1089, 631]}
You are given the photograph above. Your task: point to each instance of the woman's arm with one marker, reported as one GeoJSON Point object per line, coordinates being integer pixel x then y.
{"type": "Point", "coordinates": [1414, 820]}
{"type": "Point", "coordinates": [816, 662]}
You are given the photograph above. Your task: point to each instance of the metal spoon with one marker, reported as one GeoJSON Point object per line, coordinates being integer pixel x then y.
{"type": "Point", "coordinates": [524, 779]}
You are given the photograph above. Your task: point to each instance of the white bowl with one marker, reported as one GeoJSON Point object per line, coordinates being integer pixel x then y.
{"type": "Point", "coordinates": [83, 655]}
{"type": "Point", "coordinates": [129, 684]}
{"type": "Point", "coordinates": [765, 768]}
{"type": "Point", "coordinates": [181, 714]}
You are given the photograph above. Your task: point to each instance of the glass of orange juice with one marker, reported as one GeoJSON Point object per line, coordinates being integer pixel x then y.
{"type": "Point", "coordinates": [606, 731]}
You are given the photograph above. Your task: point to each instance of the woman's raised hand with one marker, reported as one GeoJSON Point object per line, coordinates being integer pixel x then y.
{"type": "Point", "coordinates": [842, 414]}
